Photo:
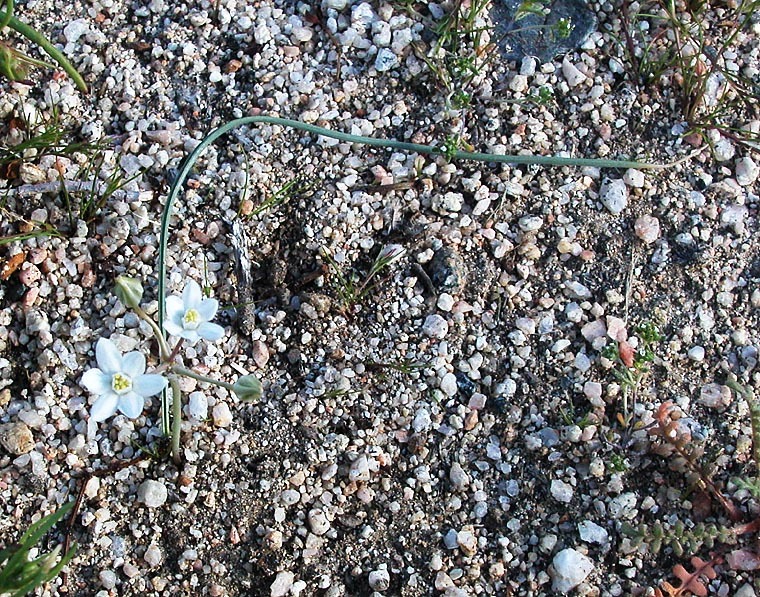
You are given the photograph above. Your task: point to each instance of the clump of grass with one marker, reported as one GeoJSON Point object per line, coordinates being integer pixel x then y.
{"type": "Point", "coordinates": [352, 287]}
{"type": "Point", "coordinates": [21, 574]}
{"type": "Point", "coordinates": [49, 137]}
{"type": "Point", "coordinates": [692, 45]}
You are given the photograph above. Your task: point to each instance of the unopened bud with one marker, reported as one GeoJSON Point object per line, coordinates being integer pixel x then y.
{"type": "Point", "coordinates": [248, 388]}
{"type": "Point", "coordinates": [129, 291]}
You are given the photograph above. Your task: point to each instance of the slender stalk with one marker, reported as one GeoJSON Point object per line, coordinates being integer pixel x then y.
{"type": "Point", "coordinates": [197, 376]}
{"type": "Point", "coordinates": [37, 38]}
{"type": "Point", "coordinates": [176, 417]}
{"type": "Point", "coordinates": [8, 14]}
{"type": "Point", "coordinates": [188, 163]}
{"type": "Point", "coordinates": [163, 346]}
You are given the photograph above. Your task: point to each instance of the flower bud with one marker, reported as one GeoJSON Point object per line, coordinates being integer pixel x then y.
{"type": "Point", "coordinates": [248, 388]}
{"type": "Point", "coordinates": [129, 291]}
{"type": "Point", "coordinates": [391, 253]}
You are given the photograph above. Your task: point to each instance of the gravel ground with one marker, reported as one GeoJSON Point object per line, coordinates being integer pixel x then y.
{"type": "Point", "coordinates": [457, 430]}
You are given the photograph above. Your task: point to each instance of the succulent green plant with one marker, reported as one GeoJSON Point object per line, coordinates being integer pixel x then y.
{"type": "Point", "coordinates": [678, 537]}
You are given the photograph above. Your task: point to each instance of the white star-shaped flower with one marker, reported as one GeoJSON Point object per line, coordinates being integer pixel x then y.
{"type": "Point", "coordinates": [120, 382]}
{"type": "Point", "coordinates": [190, 317]}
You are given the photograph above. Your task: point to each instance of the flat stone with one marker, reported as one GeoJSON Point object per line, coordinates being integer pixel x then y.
{"type": "Point", "coordinates": [16, 438]}
{"type": "Point", "coordinates": [569, 569]}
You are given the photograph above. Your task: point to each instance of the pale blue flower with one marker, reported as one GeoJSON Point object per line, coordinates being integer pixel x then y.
{"type": "Point", "coordinates": [190, 317]}
{"type": "Point", "coordinates": [120, 382]}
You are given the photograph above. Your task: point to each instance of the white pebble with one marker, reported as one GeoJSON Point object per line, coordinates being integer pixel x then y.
{"type": "Point", "coordinates": [647, 228]}
{"type": "Point", "coordinates": [697, 354]}
{"type": "Point", "coordinates": [571, 73]}
{"type": "Point", "coordinates": [614, 195]}
{"type": "Point", "coordinates": [569, 569]}
{"type": "Point", "coordinates": [282, 584]}
{"type": "Point", "coordinates": [107, 579]}
{"type": "Point", "coordinates": [746, 171]}
{"type": "Point", "coordinates": [634, 178]}
{"type": "Point", "coordinates": [448, 384]}
{"type": "Point", "coordinates": [197, 406]}
{"type": "Point", "coordinates": [379, 580]}
{"type": "Point", "coordinates": [152, 493]}
{"type": "Point", "coordinates": [561, 491]}
{"type": "Point", "coordinates": [318, 522]}
{"type": "Point", "coordinates": [153, 555]}
{"type": "Point", "coordinates": [435, 326]}
{"type": "Point", "coordinates": [591, 532]}
{"type": "Point", "coordinates": [222, 415]}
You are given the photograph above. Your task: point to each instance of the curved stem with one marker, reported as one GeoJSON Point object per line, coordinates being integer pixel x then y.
{"type": "Point", "coordinates": [8, 14]}
{"type": "Point", "coordinates": [163, 346]}
{"type": "Point", "coordinates": [188, 163]}
{"type": "Point", "coordinates": [36, 37]}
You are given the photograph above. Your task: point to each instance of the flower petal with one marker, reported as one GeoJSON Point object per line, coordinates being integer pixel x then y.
{"type": "Point", "coordinates": [175, 308]}
{"type": "Point", "coordinates": [96, 381]}
{"type": "Point", "coordinates": [149, 385]}
{"type": "Point", "coordinates": [104, 407]}
{"type": "Point", "coordinates": [172, 328]}
{"type": "Point", "coordinates": [208, 308]}
{"type": "Point", "coordinates": [108, 356]}
{"type": "Point", "coordinates": [131, 404]}
{"type": "Point", "coordinates": [133, 364]}
{"type": "Point", "coordinates": [191, 295]}
{"type": "Point", "coordinates": [191, 336]}
{"type": "Point", "coordinates": [210, 331]}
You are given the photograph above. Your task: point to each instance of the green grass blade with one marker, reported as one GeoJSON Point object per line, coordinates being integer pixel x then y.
{"type": "Point", "coordinates": [36, 37]}
{"type": "Point", "coordinates": [187, 165]}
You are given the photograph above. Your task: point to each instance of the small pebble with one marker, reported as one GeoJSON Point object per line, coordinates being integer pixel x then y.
{"type": "Point", "coordinates": [152, 493]}
{"type": "Point", "coordinates": [696, 354]}
{"type": "Point", "coordinates": [647, 228]}
{"type": "Point", "coordinates": [435, 326]}
{"type": "Point", "coordinates": [569, 569]}
{"type": "Point", "coordinates": [16, 438]}
{"type": "Point", "coordinates": [222, 415]}
{"type": "Point", "coordinates": [282, 584]}
{"type": "Point", "coordinates": [614, 195]}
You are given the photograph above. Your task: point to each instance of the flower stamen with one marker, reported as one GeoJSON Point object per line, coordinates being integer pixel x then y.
{"type": "Point", "coordinates": [191, 319]}
{"type": "Point", "coordinates": [121, 383]}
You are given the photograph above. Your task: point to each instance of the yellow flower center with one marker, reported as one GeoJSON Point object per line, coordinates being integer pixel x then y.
{"type": "Point", "coordinates": [191, 320]}
{"type": "Point", "coordinates": [121, 383]}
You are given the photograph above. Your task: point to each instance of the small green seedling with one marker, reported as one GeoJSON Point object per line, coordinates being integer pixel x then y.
{"type": "Point", "coordinates": [19, 573]}
{"type": "Point", "coordinates": [351, 288]}
{"type": "Point", "coordinates": [14, 65]}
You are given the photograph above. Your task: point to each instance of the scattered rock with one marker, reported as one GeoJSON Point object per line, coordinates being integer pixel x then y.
{"type": "Point", "coordinates": [152, 493]}
{"type": "Point", "coordinates": [614, 195]}
{"type": "Point", "coordinates": [282, 584]}
{"type": "Point", "coordinates": [16, 438]}
{"type": "Point", "coordinates": [569, 569]}
{"type": "Point", "coordinates": [447, 271]}
{"type": "Point", "coordinates": [647, 228]}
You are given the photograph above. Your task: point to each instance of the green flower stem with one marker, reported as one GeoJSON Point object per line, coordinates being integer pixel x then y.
{"type": "Point", "coordinates": [176, 417]}
{"type": "Point", "coordinates": [37, 38]}
{"type": "Point", "coordinates": [163, 346]}
{"type": "Point", "coordinates": [7, 16]}
{"type": "Point", "coordinates": [187, 165]}
{"type": "Point", "coordinates": [197, 376]}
